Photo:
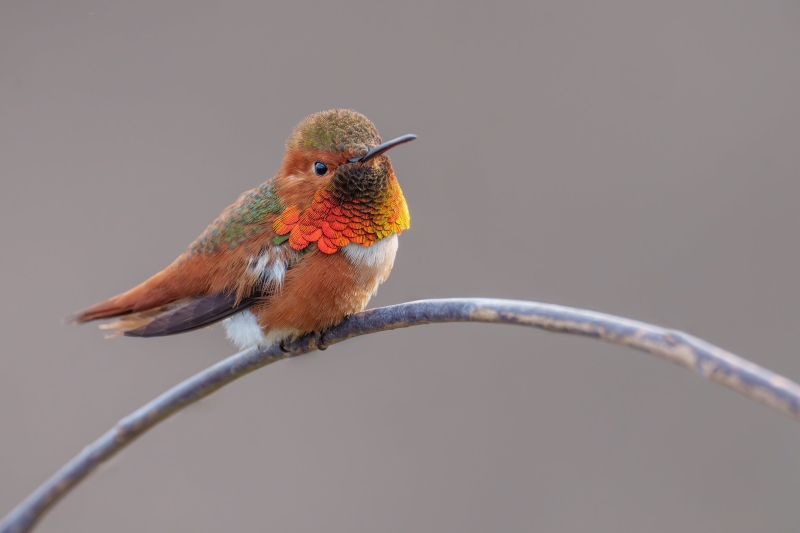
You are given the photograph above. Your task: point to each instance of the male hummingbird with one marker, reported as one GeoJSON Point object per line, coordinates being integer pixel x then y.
{"type": "Point", "coordinates": [295, 255]}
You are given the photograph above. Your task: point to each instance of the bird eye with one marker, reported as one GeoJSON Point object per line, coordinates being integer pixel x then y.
{"type": "Point", "coordinates": [320, 168]}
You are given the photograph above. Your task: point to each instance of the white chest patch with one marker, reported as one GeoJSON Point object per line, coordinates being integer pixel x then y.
{"type": "Point", "coordinates": [379, 254]}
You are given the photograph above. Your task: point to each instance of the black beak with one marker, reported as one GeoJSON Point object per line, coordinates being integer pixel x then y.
{"type": "Point", "coordinates": [378, 150]}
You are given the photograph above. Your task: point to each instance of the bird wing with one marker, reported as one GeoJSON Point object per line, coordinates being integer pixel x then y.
{"type": "Point", "coordinates": [244, 220]}
{"type": "Point", "coordinates": [195, 314]}
{"type": "Point", "coordinates": [232, 265]}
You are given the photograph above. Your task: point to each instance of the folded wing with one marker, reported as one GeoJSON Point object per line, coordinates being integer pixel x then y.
{"type": "Point", "coordinates": [195, 314]}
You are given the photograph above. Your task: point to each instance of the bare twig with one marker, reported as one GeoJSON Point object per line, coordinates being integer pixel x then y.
{"type": "Point", "coordinates": [689, 352]}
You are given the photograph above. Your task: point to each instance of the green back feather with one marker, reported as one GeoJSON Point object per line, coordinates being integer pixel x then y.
{"type": "Point", "coordinates": [242, 221]}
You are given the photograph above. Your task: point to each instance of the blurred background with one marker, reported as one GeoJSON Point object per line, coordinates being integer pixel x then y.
{"type": "Point", "coordinates": [637, 158]}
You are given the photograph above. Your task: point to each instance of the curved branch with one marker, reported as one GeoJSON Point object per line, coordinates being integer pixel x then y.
{"type": "Point", "coordinates": [692, 353]}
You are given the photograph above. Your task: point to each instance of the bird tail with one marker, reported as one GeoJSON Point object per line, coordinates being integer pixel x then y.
{"type": "Point", "coordinates": [113, 307]}
{"type": "Point", "coordinates": [158, 307]}
{"type": "Point", "coordinates": [136, 306]}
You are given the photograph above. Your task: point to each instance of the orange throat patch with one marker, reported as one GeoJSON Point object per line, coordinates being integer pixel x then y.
{"type": "Point", "coordinates": [333, 220]}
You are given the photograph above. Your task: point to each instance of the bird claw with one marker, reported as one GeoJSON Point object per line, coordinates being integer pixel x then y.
{"type": "Point", "coordinates": [320, 337]}
{"type": "Point", "coordinates": [319, 342]}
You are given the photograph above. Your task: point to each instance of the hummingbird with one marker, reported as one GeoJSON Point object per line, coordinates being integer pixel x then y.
{"type": "Point", "coordinates": [296, 255]}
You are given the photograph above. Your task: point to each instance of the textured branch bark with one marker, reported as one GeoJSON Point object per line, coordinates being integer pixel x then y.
{"type": "Point", "coordinates": [692, 353]}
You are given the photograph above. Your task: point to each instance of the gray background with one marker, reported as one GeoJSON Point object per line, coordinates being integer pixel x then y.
{"type": "Point", "coordinates": [639, 158]}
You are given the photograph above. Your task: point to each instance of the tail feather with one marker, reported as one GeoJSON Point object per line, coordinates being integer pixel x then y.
{"type": "Point", "coordinates": [178, 317]}
{"type": "Point", "coordinates": [108, 309]}
{"type": "Point", "coordinates": [170, 302]}
{"type": "Point", "coordinates": [125, 323]}
{"type": "Point", "coordinates": [151, 295]}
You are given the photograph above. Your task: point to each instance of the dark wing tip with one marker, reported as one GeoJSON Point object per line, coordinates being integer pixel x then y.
{"type": "Point", "coordinates": [194, 315]}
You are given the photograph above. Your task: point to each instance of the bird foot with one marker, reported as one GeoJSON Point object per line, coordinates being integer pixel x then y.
{"type": "Point", "coordinates": [320, 338]}
{"type": "Point", "coordinates": [319, 342]}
